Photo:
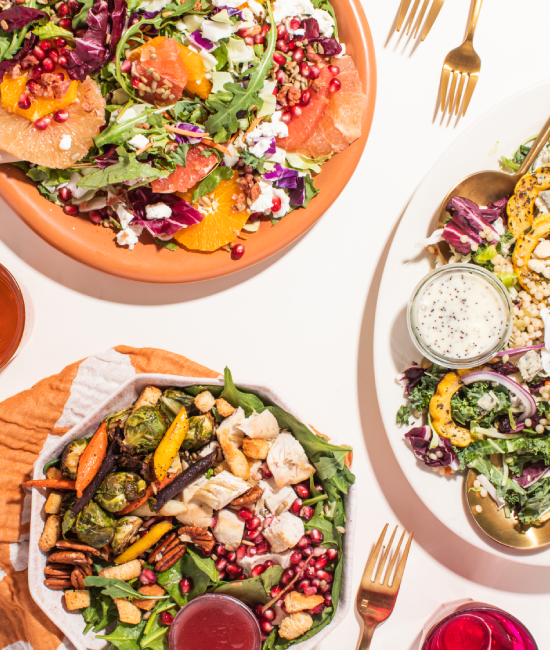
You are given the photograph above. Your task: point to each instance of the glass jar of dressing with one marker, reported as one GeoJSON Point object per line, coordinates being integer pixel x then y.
{"type": "Point", "coordinates": [460, 316]}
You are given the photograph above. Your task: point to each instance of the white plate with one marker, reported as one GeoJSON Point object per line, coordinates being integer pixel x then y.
{"type": "Point", "coordinates": [509, 123]}
{"type": "Point", "coordinates": [51, 602]}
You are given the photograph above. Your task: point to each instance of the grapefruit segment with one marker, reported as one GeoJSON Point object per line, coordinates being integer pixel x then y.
{"type": "Point", "coordinates": [197, 167]}
{"type": "Point", "coordinates": [19, 137]}
{"type": "Point", "coordinates": [220, 220]}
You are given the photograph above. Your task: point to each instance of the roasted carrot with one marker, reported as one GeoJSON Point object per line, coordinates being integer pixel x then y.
{"type": "Point", "coordinates": [91, 459]}
{"type": "Point", "coordinates": [138, 502]}
{"type": "Point", "coordinates": [58, 483]}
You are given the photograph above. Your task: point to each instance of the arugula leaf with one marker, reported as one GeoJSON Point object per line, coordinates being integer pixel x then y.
{"type": "Point", "coordinates": [50, 177]}
{"type": "Point", "coordinates": [179, 156]}
{"type": "Point", "coordinates": [116, 588]}
{"type": "Point", "coordinates": [252, 591]}
{"type": "Point", "coordinates": [51, 30]}
{"type": "Point", "coordinates": [79, 21]}
{"type": "Point", "coordinates": [253, 161]}
{"type": "Point", "coordinates": [125, 636]}
{"type": "Point", "coordinates": [117, 133]}
{"type": "Point", "coordinates": [210, 182]}
{"type": "Point", "coordinates": [126, 169]}
{"type": "Point", "coordinates": [311, 190]}
{"type": "Point", "coordinates": [248, 401]}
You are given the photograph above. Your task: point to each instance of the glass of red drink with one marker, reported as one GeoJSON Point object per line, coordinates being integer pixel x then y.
{"type": "Point", "coordinates": [479, 628]}
{"type": "Point", "coordinates": [215, 622]}
{"type": "Point", "coordinates": [15, 317]}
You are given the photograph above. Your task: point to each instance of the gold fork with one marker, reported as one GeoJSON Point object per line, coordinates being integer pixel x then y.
{"type": "Point", "coordinates": [434, 12]}
{"type": "Point", "coordinates": [375, 597]}
{"type": "Point", "coordinates": [464, 63]}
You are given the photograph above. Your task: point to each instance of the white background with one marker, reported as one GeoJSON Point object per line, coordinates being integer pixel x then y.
{"type": "Point", "coordinates": [303, 320]}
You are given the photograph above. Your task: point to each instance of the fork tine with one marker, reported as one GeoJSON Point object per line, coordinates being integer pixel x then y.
{"type": "Point", "coordinates": [445, 76]}
{"type": "Point", "coordinates": [434, 13]}
{"type": "Point", "coordinates": [371, 563]}
{"type": "Point", "coordinates": [394, 557]}
{"type": "Point", "coordinates": [401, 566]}
{"type": "Point", "coordinates": [384, 557]}
{"type": "Point", "coordinates": [413, 14]}
{"type": "Point", "coordinates": [452, 91]}
{"type": "Point", "coordinates": [463, 78]}
{"type": "Point", "coordinates": [405, 4]}
{"type": "Point", "coordinates": [421, 17]}
{"type": "Point", "coordinates": [470, 91]}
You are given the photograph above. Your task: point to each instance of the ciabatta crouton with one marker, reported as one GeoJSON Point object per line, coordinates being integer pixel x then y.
{"type": "Point", "coordinates": [149, 590]}
{"type": "Point", "coordinates": [295, 625]}
{"type": "Point", "coordinates": [297, 602]}
{"type": "Point", "coordinates": [54, 472]}
{"type": "Point", "coordinates": [258, 449]}
{"type": "Point", "coordinates": [127, 611]}
{"type": "Point", "coordinates": [126, 571]}
{"type": "Point", "coordinates": [51, 533]}
{"type": "Point", "coordinates": [149, 397]}
{"type": "Point", "coordinates": [78, 599]}
{"type": "Point", "coordinates": [224, 408]}
{"type": "Point", "coordinates": [53, 503]}
{"type": "Point", "coordinates": [205, 401]}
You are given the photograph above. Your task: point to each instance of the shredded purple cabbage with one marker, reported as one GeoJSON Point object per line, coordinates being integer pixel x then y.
{"type": "Point", "coordinates": [279, 172]}
{"type": "Point", "coordinates": [183, 214]}
{"type": "Point", "coordinates": [197, 39]}
{"type": "Point", "coordinates": [288, 179]}
{"type": "Point", "coordinates": [231, 11]}
{"type": "Point", "coordinates": [441, 456]}
{"type": "Point", "coordinates": [18, 16]}
{"type": "Point", "coordinates": [531, 474]}
{"type": "Point", "coordinates": [186, 126]}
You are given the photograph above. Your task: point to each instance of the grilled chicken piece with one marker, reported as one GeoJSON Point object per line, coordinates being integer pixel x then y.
{"type": "Point", "coordinates": [278, 500]}
{"type": "Point", "coordinates": [248, 563]}
{"type": "Point", "coordinates": [230, 426]}
{"type": "Point", "coordinates": [197, 513]}
{"type": "Point", "coordinates": [288, 462]}
{"type": "Point", "coordinates": [220, 490]}
{"type": "Point", "coordinates": [229, 530]}
{"type": "Point", "coordinates": [262, 426]}
{"type": "Point", "coordinates": [284, 532]}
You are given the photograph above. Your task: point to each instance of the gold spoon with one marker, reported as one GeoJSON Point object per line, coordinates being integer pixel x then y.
{"type": "Point", "coordinates": [490, 186]}
{"type": "Point", "coordinates": [493, 522]}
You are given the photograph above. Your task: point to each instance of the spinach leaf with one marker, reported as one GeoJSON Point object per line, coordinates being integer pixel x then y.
{"type": "Point", "coordinates": [51, 463]}
{"type": "Point", "coordinates": [331, 536]}
{"type": "Point", "coordinates": [201, 580]}
{"type": "Point", "coordinates": [125, 636]}
{"type": "Point", "coordinates": [253, 591]}
{"type": "Point", "coordinates": [116, 588]}
{"type": "Point", "coordinates": [153, 635]}
{"type": "Point", "coordinates": [204, 564]}
{"type": "Point", "coordinates": [100, 612]}
{"type": "Point", "coordinates": [248, 401]}
{"type": "Point", "coordinates": [170, 580]}
{"type": "Point", "coordinates": [196, 390]}
{"type": "Point", "coordinates": [311, 190]}
{"type": "Point", "coordinates": [210, 182]}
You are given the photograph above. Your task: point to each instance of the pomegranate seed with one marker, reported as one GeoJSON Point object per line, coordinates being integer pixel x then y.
{"type": "Point", "coordinates": [269, 615]}
{"type": "Point", "coordinates": [219, 550]}
{"type": "Point", "coordinates": [303, 584]}
{"type": "Point", "coordinates": [265, 30]}
{"type": "Point", "coordinates": [294, 24]}
{"type": "Point", "coordinates": [54, 55]}
{"type": "Point", "coordinates": [314, 71]}
{"type": "Point", "coordinates": [135, 82]}
{"type": "Point", "coordinates": [276, 206]}
{"type": "Point", "coordinates": [36, 72]}
{"type": "Point", "coordinates": [166, 618]}
{"type": "Point", "coordinates": [325, 575]}
{"type": "Point", "coordinates": [286, 117]}
{"type": "Point", "coordinates": [126, 66]}
{"type": "Point", "coordinates": [94, 216]}
{"type": "Point", "coordinates": [332, 554]}
{"type": "Point", "coordinates": [307, 550]}
{"type": "Point", "coordinates": [62, 10]}
{"type": "Point", "coordinates": [258, 570]}
{"type": "Point", "coordinates": [65, 194]}
{"type": "Point", "coordinates": [288, 576]}
{"type": "Point", "coordinates": [269, 563]}
{"type": "Point", "coordinates": [61, 116]}
{"type": "Point", "coordinates": [231, 556]}
{"type": "Point", "coordinates": [316, 536]}
{"type": "Point", "coordinates": [186, 584]}
{"type": "Point", "coordinates": [324, 587]}
{"type": "Point", "coordinates": [310, 573]}
{"type": "Point", "coordinates": [282, 46]}
{"type": "Point", "coordinates": [287, 37]}
{"type": "Point", "coordinates": [292, 45]}
{"type": "Point", "coordinates": [258, 611]}
{"type": "Point", "coordinates": [310, 591]}
{"type": "Point", "coordinates": [253, 523]}
{"type": "Point", "coordinates": [302, 491]}
{"type": "Point", "coordinates": [64, 51]}
{"type": "Point", "coordinates": [334, 70]}
{"type": "Point", "coordinates": [63, 61]}
{"type": "Point", "coordinates": [295, 557]}
{"type": "Point", "coordinates": [251, 551]}
{"type": "Point", "coordinates": [334, 85]}
{"type": "Point", "coordinates": [265, 468]}
{"type": "Point", "coordinates": [321, 562]}
{"type": "Point", "coordinates": [298, 55]}
{"type": "Point", "coordinates": [275, 591]}
{"type": "Point", "coordinates": [318, 551]}
{"type": "Point", "coordinates": [279, 58]}
{"type": "Point", "coordinates": [316, 583]}
{"type": "Point", "coordinates": [280, 77]}
{"type": "Point", "coordinates": [296, 110]}
{"type": "Point", "coordinates": [45, 45]}
{"type": "Point", "coordinates": [241, 552]}
{"type": "Point", "coordinates": [148, 577]}
{"type": "Point", "coordinates": [319, 488]}
{"type": "Point", "coordinates": [221, 576]}
{"type": "Point", "coordinates": [74, 6]}
{"type": "Point", "coordinates": [25, 65]}
{"type": "Point", "coordinates": [249, 40]}
{"type": "Point", "coordinates": [59, 42]}
{"type": "Point", "coordinates": [258, 39]}
{"type": "Point", "coordinates": [38, 52]}
{"type": "Point", "coordinates": [221, 563]}
{"type": "Point", "coordinates": [328, 600]}
{"type": "Point", "coordinates": [303, 541]}
{"type": "Point", "coordinates": [66, 23]}
{"type": "Point", "coordinates": [281, 31]}
{"type": "Point", "coordinates": [60, 76]}
{"type": "Point", "coordinates": [296, 505]}
{"type": "Point", "coordinates": [48, 65]}
{"type": "Point", "coordinates": [237, 252]}
{"type": "Point", "coordinates": [42, 124]}
{"type": "Point", "coordinates": [233, 570]}
{"type": "Point", "coordinates": [317, 610]}
{"type": "Point", "coordinates": [206, 553]}
{"type": "Point", "coordinates": [266, 626]}
{"type": "Point", "coordinates": [244, 513]}
{"type": "Point", "coordinates": [304, 70]}
{"type": "Point", "coordinates": [306, 512]}
{"type": "Point", "coordinates": [251, 535]}
{"type": "Point", "coordinates": [263, 547]}
{"type": "Point", "coordinates": [268, 521]}
{"type": "Point", "coordinates": [241, 576]}
{"type": "Point", "coordinates": [24, 101]}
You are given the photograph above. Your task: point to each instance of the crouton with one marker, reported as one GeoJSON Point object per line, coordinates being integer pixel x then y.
{"type": "Point", "coordinates": [149, 397]}
{"type": "Point", "coordinates": [258, 449]}
{"type": "Point", "coordinates": [77, 599]}
{"type": "Point", "coordinates": [235, 457]}
{"type": "Point", "coordinates": [224, 408]}
{"type": "Point", "coordinates": [53, 504]}
{"type": "Point", "coordinates": [205, 401]}
{"type": "Point", "coordinates": [126, 571]}
{"type": "Point", "coordinates": [127, 611]}
{"type": "Point", "coordinates": [55, 473]}
{"type": "Point", "coordinates": [295, 625]}
{"type": "Point", "coordinates": [149, 590]}
{"type": "Point", "coordinates": [51, 533]}
{"type": "Point", "coordinates": [297, 602]}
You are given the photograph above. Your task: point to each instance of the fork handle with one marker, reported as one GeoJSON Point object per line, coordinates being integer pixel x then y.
{"type": "Point", "coordinates": [368, 631]}
{"type": "Point", "coordinates": [473, 20]}
{"type": "Point", "coordinates": [536, 148]}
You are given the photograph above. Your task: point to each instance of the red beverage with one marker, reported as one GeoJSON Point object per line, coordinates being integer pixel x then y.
{"type": "Point", "coordinates": [12, 316]}
{"type": "Point", "coordinates": [479, 628]}
{"type": "Point", "coordinates": [215, 622]}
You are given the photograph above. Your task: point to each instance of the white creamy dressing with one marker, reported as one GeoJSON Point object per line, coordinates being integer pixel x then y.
{"type": "Point", "coordinates": [460, 316]}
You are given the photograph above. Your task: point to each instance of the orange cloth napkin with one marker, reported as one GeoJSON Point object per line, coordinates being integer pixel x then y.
{"type": "Point", "coordinates": [50, 408]}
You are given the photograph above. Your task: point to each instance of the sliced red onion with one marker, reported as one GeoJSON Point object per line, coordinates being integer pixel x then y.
{"type": "Point", "coordinates": [522, 392]}
{"type": "Point", "coordinates": [516, 351]}
{"type": "Point", "coordinates": [486, 483]}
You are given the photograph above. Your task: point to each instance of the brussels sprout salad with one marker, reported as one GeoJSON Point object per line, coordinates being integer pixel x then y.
{"type": "Point", "coordinates": [203, 489]}
{"type": "Point", "coordinates": [191, 121]}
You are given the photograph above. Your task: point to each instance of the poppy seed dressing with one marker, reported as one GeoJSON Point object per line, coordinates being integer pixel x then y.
{"type": "Point", "coordinates": [460, 316]}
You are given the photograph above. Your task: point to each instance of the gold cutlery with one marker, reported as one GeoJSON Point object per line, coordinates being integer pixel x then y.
{"type": "Point", "coordinates": [376, 597]}
{"type": "Point", "coordinates": [462, 63]}
{"type": "Point", "coordinates": [433, 14]}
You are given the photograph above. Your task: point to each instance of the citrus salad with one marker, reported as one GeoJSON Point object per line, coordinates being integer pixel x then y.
{"type": "Point", "coordinates": [192, 120]}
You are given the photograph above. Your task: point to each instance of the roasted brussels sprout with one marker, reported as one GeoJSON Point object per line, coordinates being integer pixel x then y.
{"type": "Point", "coordinates": [201, 431]}
{"type": "Point", "coordinates": [174, 400]}
{"type": "Point", "coordinates": [68, 521]}
{"type": "Point", "coordinates": [71, 456]}
{"type": "Point", "coordinates": [144, 430]}
{"type": "Point", "coordinates": [126, 529]}
{"type": "Point", "coordinates": [118, 489]}
{"type": "Point", "coordinates": [94, 526]}
{"type": "Point", "coordinates": [115, 420]}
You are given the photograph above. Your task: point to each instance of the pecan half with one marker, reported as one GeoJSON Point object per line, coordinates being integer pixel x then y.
{"type": "Point", "coordinates": [170, 557]}
{"type": "Point", "coordinates": [69, 557]}
{"type": "Point", "coordinates": [58, 583]}
{"type": "Point", "coordinates": [249, 497]}
{"type": "Point", "coordinates": [58, 570]}
{"type": "Point", "coordinates": [65, 544]}
{"type": "Point", "coordinates": [156, 554]}
{"type": "Point", "coordinates": [78, 574]}
{"type": "Point", "coordinates": [199, 536]}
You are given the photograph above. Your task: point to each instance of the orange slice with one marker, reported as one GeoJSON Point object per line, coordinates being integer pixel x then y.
{"type": "Point", "coordinates": [220, 221]}
{"type": "Point", "coordinates": [197, 82]}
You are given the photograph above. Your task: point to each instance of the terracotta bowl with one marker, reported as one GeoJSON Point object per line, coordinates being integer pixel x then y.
{"type": "Point", "coordinates": [96, 247]}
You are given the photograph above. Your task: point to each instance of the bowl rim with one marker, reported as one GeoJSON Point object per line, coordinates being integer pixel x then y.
{"type": "Point", "coordinates": [50, 602]}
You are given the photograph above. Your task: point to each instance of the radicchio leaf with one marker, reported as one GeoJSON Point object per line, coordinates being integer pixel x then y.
{"type": "Point", "coordinates": [531, 474]}
{"type": "Point", "coordinates": [441, 456]}
{"type": "Point", "coordinates": [495, 210]}
{"type": "Point", "coordinates": [7, 66]}
{"type": "Point", "coordinates": [183, 214]}
{"type": "Point", "coordinates": [311, 27]}
{"type": "Point", "coordinates": [18, 16]}
{"type": "Point", "coordinates": [454, 231]}
{"type": "Point", "coordinates": [412, 376]}
{"type": "Point", "coordinates": [110, 157]}
{"type": "Point", "coordinates": [330, 46]}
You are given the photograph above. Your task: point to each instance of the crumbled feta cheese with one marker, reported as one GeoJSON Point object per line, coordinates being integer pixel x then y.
{"type": "Point", "coordinates": [215, 31]}
{"type": "Point", "coordinates": [325, 22]}
{"type": "Point", "coordinates": [529, 365]}
{"type": "Point", "coordinates": [261, 146]}
{"type": "Point", "coordinates": [239, 52]}
{"type": "Point", "coordinates": [128, 237]}
{"type": "Point", "coordinates": [287, 8]}
{"type": "Point", "coordinates": [255, 7]}
{"type": "Point", "coordinates": [542, 251]}
{"type": "Point", "coordinates": [233, 158]}
{"type": "Point", "coordinates": [209, 60]}
{"type": "Point", "coordinates": [120, 96]}
{"type": "Point", "coordinates": [227, 3]}
{"type": "Point", "coordinates": [488, 401]}
{"type": "Point", "coordinates": [285, 203]}
{"type": "Point", "coordinates": [545, 317]}
{"type": "Point", "coordinates": [498, 225]}
{"type": "Point", "coordinates": [124, 217]}
{"type": "Point", "coordinates": [65, 143]}
{"type": "Point", "coordinates": [275, 129]}
{"type": "Point", "coordinates": [130, 113]}
{"type": "Point", "coordinates": [158, 211]}
{"type": "Point", "coordinates": [138, 141]}
{"type": "Point", "coordinates": [264, 202]}
{"type": "Point", "coordinates": [153, 5]}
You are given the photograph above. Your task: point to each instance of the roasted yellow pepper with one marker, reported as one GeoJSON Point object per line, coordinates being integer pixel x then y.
{"type": "Point", "coordinates": [440, 410]}
{"type": "Point", "coordinates": [526, 244]}
{"type": "Point", "coordinates": [145, 543]}
{"type": "Point", "coordinates": [521, 206]}
{"type": "Point", "coordinates": [169, 446]}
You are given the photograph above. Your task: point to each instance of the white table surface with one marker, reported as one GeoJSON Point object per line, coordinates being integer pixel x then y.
{"type": "Point", "coordinates": [303, 320]}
